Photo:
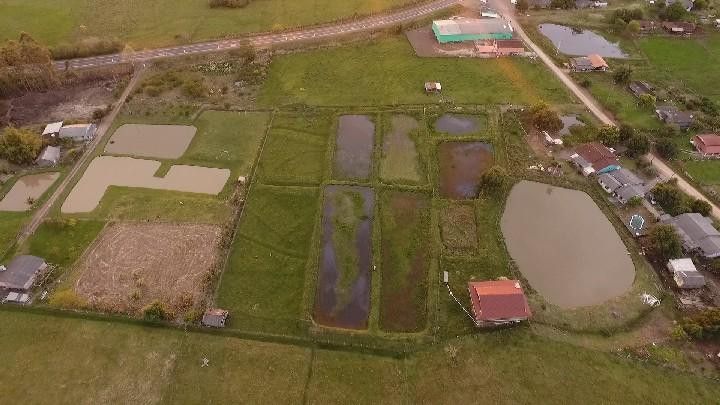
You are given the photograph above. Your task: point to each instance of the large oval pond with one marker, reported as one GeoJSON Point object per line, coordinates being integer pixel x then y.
{"type": "Point", "coordinates": [565, 246]}
{"type": "Point", "coordinates": [574, 42]}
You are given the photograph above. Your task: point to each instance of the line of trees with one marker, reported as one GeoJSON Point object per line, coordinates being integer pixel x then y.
{"type": "Point", "coordinates": [25, 65]}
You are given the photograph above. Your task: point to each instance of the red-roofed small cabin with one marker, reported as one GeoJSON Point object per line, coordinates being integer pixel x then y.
{"type": "Point", "coordinates": [707, 144]}
{"type": "Point", "coordinates": [498, 302]}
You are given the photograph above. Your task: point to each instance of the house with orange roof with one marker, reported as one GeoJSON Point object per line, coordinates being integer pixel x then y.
{"type": "Point", "coordinates": [498, 302]}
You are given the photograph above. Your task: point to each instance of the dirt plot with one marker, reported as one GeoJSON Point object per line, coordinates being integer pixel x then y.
{"type": "Point", "coordinates": [458, 228]}
{"type": "Point", "coordinates": [69, 103]}
{"type": "Point", "coordinates": [131, 265]}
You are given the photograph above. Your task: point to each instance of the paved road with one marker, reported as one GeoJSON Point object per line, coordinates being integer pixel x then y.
{"type": "Point", "coordinates": [102, 132]}
{"type": "Point", "coordinates": [265, 40]}
{"type": "Point", "coordinates": [665, 171]}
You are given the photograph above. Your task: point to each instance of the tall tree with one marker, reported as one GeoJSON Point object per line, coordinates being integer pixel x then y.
{"type": "Point", "coordinates": [19, 146]}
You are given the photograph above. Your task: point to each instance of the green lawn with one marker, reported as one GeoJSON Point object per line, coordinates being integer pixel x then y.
{"type": "Point", "coordinates": [62, 242]}
{"type": "Point", "coordinates": [10, 225]}
{"type": "Point", "coordinates": [227, 139]}
{"type": "Point", "coordinates": [619, 101]}
{"type": "Point", "coordinates": [403, 150]}
{"type": "Point", "coordinates": [53, 360]}
{"type": "Point", "coordinates": [296, 148]}
{"type": "Point", "coordinates": [265, 275]}
{"type": "Point", "coordinates": [164, 22]}
{"type": "Point", "coordinates": [691, 62]}
{"type": "Point", "coordinates": [705, 172]}
{"type": "Point", "coordinates": [388, 72]}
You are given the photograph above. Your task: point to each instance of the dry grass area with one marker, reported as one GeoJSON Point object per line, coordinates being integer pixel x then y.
{"type": "Point", "coordinates": [458, 228]}
{"type": "Point", "coordinates": [131, 265]}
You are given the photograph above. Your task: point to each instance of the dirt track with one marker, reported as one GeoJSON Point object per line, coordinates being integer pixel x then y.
{"type": "Point", "coordinates": [130, 265]}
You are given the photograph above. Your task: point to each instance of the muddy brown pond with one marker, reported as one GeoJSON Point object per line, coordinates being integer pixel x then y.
{"type": "Point", "coordinates": [157, 141]}
{"type": "Point", "coordinates": [27, 187]}
{"type": "Point", "coordinates": [565, 246]}
{"type": "Point", "coordinates": [455, 124]}
{"type": "Point", "coordinates": [354, 147]}
{"type": "Point", "coordinates": [461, 164]}
{"type": "Point", "coordinates": [343, 293]}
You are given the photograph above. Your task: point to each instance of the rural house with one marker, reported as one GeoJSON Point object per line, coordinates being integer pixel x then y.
{"type": "Point", "coordinates": [498, 302]}
{"type": "Point", "coordinates": [471, 29]}
{"type": "Point", "coordinates": [623, 184]}
{"type": "Point", "coordinates": [215, 317]}
{"type": "Point", "coordinates": [679, 27]}
{"type": "Point", "coordinates": [672, 116]}
{"type": "Point", "coordinates": [509, 47]}
{"type": "Point", "coordinates": [697, 233]}
{"type": "Point", "coordinates": [708, 145]}
{"type": "Point", "coordinates": [52, 130]}
{"type": "Point", "coordinates": [685, 274]}
{"type": "Point", "coordinates": [50, 156]}
{"type": "Point", "coordinates": [21, 272]}
{"type": "Point", "coordinates": [78, 132]}
{"type": "Point", "coordinates": [594, 158]}
{"type": "Point", "coordinates": [641, 88]}
{"type": "Point", "coordinates": [590, 63]}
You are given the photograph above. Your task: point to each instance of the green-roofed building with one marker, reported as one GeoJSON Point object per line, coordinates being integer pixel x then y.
{"type": "Point", "coordinates": [471, 29]}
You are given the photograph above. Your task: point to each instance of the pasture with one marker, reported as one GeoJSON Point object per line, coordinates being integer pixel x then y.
{"type": "Point", "coordinates": [167, 22]}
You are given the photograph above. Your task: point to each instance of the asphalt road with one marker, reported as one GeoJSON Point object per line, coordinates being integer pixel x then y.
{"type": "Point", "coordinates": [264, 40]}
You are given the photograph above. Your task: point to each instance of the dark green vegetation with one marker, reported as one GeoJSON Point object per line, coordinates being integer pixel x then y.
{"type": "Point", "coordinates": [119, 363]}
{"type": "Point", "coordinates": [405, 222]}
{"type": "Point", "coordinates": [343, 76]}
{"type": "Point", "coordinates": [61, 242]}
{"type": "Point", "coordinates": [10, 225]}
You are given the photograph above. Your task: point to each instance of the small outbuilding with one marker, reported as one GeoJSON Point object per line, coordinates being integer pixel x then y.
{"type": "Point", "coordinates": [685, 273]}
{"type": "Point", "coordinates": [498, 302]}
{"type": "Point", "coordinates": [672, 116]}
{"type": "Point", "coordinates": [78, 132]}
{"type": "Point", "coordinates": [640, 88]}
{"type": "Point", "coordinates": [215, 317]}
{"type": "Point", "coordinates": [433, 87]}
{"type": "Point", "coordinates": [590, 63]}
{"type": "Point", "coordinates": [21, 272]}
{"type": "Point", "coordinates": [53, 129]}
{"type": "Point", "coordinates": [50, 156]}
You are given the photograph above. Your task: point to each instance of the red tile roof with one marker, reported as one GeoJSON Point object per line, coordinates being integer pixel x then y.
{"type": "Point", "coordinates": [707, 143]}
{"type": "Point", "coordinates": [499, 300]}
{"type": "Point", "coordinates": [597, 61]}
{"type": "Point", "coordinates": [599, 156]}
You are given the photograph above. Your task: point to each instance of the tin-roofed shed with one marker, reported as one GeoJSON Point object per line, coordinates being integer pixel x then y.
{"type": "Point", "coordinates": [471, 29]}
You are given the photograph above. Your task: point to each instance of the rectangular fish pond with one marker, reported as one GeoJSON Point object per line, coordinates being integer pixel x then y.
{"type": "Point", "coordinates": [343, 291]}
{"type": "Point", "coordinates": [354, 147]}
{"type": "Point", "coordinates": [461, 164]}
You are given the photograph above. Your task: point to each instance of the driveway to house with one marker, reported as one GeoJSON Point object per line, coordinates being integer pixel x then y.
{"type": "Point", "coordinates": [322, 32]}
{"type": "Point", "coordinates": [666, 172]}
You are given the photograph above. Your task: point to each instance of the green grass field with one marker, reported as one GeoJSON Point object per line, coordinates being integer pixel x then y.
{"type": "Point", "coordinates": [10, 225]}
{"type": "Point", "coordinates": [53, 360]}
{"type": "Point", "coordinates": [685, 62]}
{"type": "Point", "coordinates": [403, 150]}
{"type": "Point", "coordinates": [296, 148]}
{"type": "Point", "coordinates": [62, 242]}
{"type": "Point", "coordinates": [388, 72]}
{"type": "Point", "coordinates": [164, 22]}
{"type": "Point", "coordinates": [265, 275]}
{"type": "Point", "coordinates": [706, 172]}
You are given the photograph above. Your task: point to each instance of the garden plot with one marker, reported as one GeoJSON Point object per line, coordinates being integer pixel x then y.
{"type": "Point", "coordinates": [155, 141]}
{"type": "Point", "coordinates": [26, 190]}
{"type": "Point", "coordinates": [343, 292]}
{"type": "Point", "coordinates": [353, 152]}
{"type": "Point", "coordinates": [405, 260]}
{"type": "Point", "coordinates": [131, 265]}
{"type": "Point", "coordinates": [461, 164]}
{"type": "Point", "coordinates": [106, 171]}
{"type": "Point", "coordinates": [400, 160]}
{"type": "Point", "coordinates": [458, 228]}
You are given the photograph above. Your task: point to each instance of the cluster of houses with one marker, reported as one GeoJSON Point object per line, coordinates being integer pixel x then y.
{"type": "Point", "coordinates": [489, 36]}
{"type": "Point", "coordinates": [668, 114]}
{"type": "Point", "coordinates": [77, 133]}
{"type": "Point", "coordinates": [18, 277]}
